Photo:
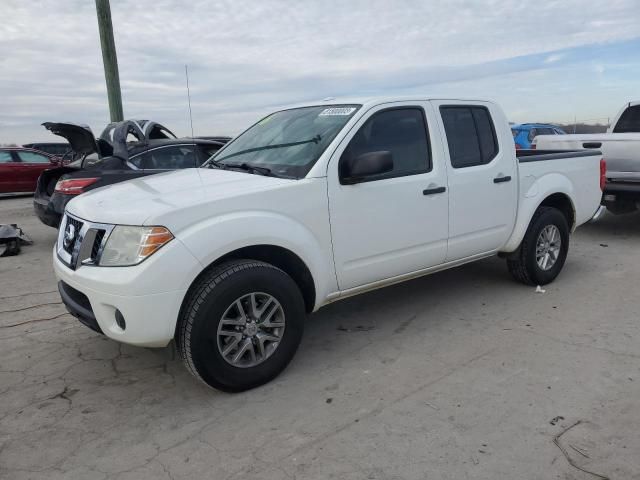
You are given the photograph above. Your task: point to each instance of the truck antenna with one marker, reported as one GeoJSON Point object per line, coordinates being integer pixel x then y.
{"type": "Point", "coordinates": [186, 73]}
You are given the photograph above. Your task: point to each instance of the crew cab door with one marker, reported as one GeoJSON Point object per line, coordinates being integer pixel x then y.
{"type": "Point", "coordinates": [395, 222]}
{"type": "Point", "coordinates": [482, 177]}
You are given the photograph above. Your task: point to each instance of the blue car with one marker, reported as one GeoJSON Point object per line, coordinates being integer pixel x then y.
{"type": "Point", "coordinates": [524, 133]}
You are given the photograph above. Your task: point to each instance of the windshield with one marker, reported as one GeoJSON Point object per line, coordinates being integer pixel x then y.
{"type": "Point", "coordinates": [287, 143]}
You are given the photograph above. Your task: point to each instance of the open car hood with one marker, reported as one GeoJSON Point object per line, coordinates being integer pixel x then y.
{"type": "Point", "coordinates": [80, 137]}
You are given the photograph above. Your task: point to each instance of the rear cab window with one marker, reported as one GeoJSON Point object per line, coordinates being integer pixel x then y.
{"type": "Point", "coordinates": [629, 121]}
{"type": "Point", "coordinates": [471, 135]}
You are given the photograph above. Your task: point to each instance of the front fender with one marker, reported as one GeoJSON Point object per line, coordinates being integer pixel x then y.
{"type": "Point", "coordinates": [217, 236]}
{"type": "Point", "coordinates": [533, 192]}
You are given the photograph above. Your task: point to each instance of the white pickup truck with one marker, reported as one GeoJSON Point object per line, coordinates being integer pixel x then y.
{"type": "Point", "coordinates": [620, 146]}
{"type": "Point", "coordinates": [311, 205]}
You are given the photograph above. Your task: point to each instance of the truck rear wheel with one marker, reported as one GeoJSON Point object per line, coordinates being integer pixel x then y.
{"type": "Point", "coordinates": [543, 250]}
{"type": "Point", "coordinates": [241, 325]}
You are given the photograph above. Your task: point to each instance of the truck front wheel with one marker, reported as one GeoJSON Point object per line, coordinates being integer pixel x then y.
{"type": "Point", "coordinates": [543, 250]}
{"type": "Point", "coordinates": [241, 325]}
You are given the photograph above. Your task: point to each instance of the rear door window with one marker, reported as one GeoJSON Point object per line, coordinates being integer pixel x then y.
{"type": "Point", "coordinates": [629, 121]}
{"type": "Point", "coordinates": [470, 135]}
{"type": "Point", "coordinates": [166, 158]}
{"type": "Point", "coordinates": [32, 157]}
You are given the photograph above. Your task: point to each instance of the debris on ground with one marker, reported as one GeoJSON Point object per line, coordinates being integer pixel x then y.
{"type": "Point", "coordinates": [556, 419]}
{"type": "Point", "coordinates": [539, 289]}
{"type": "Point", "coordinates": [11, 239]}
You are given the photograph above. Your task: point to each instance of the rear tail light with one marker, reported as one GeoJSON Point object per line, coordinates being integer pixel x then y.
{"type": "Point", "coordinates": [603, 173]}
{"type": "Point", "coordinates": [533, 146]}
{"type": "Point", "coordinates": [74, 186]}
{"type": "Point", "coordinates": [518, 146]}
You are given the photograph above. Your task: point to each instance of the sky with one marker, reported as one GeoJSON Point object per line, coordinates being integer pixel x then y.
{"type": "Point", "coordinates": [542, 61]}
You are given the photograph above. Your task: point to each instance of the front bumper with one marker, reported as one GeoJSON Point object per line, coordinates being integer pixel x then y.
{"type": "Point", "coordinates": [148, 295]}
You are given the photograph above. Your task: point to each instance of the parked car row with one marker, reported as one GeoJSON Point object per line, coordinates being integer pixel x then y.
{"type": "Point", "coordinates": [310, 205]}
{"type": "Point", "coordinates": [620, 147]}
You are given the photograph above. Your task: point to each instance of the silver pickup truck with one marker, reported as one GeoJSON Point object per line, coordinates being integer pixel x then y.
{"type": "Point", "coordinates": [620, 147]}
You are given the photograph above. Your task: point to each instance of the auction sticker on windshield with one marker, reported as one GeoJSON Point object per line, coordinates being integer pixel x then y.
{"type": "Point", "coordinates": [337, 111]}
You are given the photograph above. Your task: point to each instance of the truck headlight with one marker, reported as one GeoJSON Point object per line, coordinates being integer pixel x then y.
{"type": "Point", "coordinates": [131, 245]}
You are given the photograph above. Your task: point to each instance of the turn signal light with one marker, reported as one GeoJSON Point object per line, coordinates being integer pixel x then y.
{"type": "Point", "coordinates": [153, 239]}
{"type": "Point", "coordinates": [74, 186]}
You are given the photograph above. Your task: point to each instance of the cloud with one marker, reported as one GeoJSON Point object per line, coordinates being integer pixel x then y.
{"type": "Point", "coordinates": [248, 57]}
{"type": "Point", "coordinates": [556, 57]}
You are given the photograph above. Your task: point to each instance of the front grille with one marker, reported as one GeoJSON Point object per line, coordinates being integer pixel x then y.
{"type": "Point", "coordinates": [81, 242]}
{"type": "Point", "coordinates": [70, 241]}
{"type": "Point", "coordinates": [97, 243]}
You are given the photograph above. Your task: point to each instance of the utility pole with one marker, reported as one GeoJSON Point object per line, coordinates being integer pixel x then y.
{"type": "Point", "coordinates": [110, 60]}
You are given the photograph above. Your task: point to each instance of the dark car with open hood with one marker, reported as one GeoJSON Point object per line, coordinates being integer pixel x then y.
{"type": "Point", "coordinates": [123, 151]}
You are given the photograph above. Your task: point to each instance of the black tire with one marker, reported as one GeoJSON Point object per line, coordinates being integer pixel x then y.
{"type": "Point", "coordinates": [196, 333]}
{"type": "Point", "coordinates": [524, 266]}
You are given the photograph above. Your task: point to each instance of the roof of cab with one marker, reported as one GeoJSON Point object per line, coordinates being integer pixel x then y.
{"type": "Point", "coordinates": [367, 101]}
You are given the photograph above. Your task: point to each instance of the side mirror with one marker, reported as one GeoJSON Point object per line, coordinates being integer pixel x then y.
{"type": "Point", "coordinates": [355, 170]}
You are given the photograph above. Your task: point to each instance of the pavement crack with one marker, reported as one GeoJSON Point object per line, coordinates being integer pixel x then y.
{"type": "Point", "coordinates": [30, 307]}
{"type": "Point", "coordinates": [35, 320]}
{"type": "Point", "coordinates": [28, 294]}
{"type": "Point", "coordinates": [556, 441]}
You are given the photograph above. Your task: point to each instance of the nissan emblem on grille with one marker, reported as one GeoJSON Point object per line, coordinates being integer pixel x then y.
{"type": "Point", "coordinates": [69, 235]}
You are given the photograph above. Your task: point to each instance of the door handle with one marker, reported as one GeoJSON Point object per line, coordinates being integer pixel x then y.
{"type": "Point", "coordinates": [433, 191]}
{"type": "Point", "coordinates": [592, 144]}
{"type": "Point", "coordinates": [506, 178]}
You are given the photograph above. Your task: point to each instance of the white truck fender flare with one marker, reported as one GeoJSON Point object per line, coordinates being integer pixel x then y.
{"type": "Point", "coordinates": [537, 192]}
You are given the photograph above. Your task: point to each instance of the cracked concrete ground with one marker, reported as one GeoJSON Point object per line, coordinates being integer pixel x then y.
{"type": "Point", "coordinates": [463, 374]}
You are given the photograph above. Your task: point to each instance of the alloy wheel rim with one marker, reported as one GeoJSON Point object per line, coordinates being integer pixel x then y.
{"type": "Point", "coordinates": [548, 247]}
{"type": "Point", "coordinates": [250, 330]}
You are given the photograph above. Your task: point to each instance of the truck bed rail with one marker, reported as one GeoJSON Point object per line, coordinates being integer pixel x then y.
{"type": "Point", "coordinates": [542, 155]}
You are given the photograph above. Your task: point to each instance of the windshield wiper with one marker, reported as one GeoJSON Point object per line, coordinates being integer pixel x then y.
{"type": "Point", "coordinates": [214, 163]}
{"type": "Point", "coordinates": [249, 168]}
{"type": "Point", "coordinates": [315, 139]}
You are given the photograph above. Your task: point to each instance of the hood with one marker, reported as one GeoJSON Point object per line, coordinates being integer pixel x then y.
{"type": "Point", "coordinates": [151, 199]}
{"type": "Point", "coordinates": [80, 137]}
